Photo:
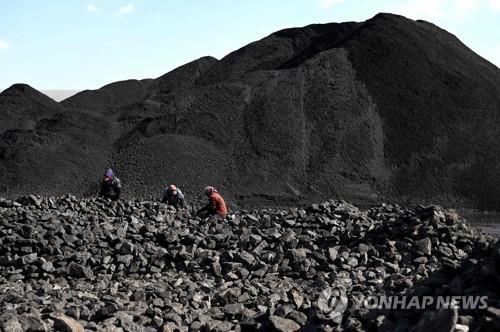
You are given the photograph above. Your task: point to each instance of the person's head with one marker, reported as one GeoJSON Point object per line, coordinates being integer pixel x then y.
{"type": "Point", "coordinates": [173, 189]}
{"type": "Point", "coordinates": [209, 190]}
{"type": "Point", "coordinates": [108, 175]}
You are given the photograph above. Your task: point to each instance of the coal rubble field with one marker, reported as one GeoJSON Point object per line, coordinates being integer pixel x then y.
{"type": "Point", "coordinates": [71, 264]}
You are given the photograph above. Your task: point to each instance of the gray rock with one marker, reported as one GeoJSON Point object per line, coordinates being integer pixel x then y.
{"type": "Point", "coordinates": [297, 299]}
{"type": "Point", "coordinates": [107, 311]}
{"type": "Point", "coordinates": [441, 320]}
{"type": "Point", "coordinates": [445, 251]}
{"type": "Point", "coordinates": [66, 324]}
{"type": "Point", "coordinates": [298, 317]}
{"type": "Point", "coordinates": [252, 217]}
{"type": "Point", "coordinates": [79, 271]}
{"type": "Point", "coordinates": [461, 328]}
{"type": "Point", "coordinates": [233, 308]}
{"type": "Point", "coordinates": [12, 325]}
{"type": "Point", "coordinates": [47, 266]}
{"type": "Point", "coordinates": [30, 322]}
{"type": "Point", "coordinates": [246, 258]}
{"type": "Point", "coordinates": [332, 254]}
{"type": "Point", "coordinates": [493, 312]}
{"type": "Point", "coordinates": [424, 246]}
{"type": "Point", "coordinates": [283, 325]}
{"type": "Point", "coordinates": [126, 248]}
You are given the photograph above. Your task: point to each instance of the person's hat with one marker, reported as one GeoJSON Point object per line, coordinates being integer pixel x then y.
{"type": "Point", "coordinates": [109, 173]}
{"type": "Point", "coordinates": [209, 190]}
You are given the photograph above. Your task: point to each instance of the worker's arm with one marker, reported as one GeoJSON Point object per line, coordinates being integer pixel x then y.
{"type": "Point", "coordinates": [165, 196]}
{"type": "Point", "coordinates": [101, 190]}
{"type": "Point", "coordinates": [118, 191]}
{"type": "Point", "coordinates": [117, 187]}
{"type": "Point", "coordinates": [182, 202]}
{"type": "Point", "coordinates": [212, 205]}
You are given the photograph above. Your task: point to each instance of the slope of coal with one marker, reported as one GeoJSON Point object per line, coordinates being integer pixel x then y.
{"type": "Point", "coordinates": [65, 153]}
{"type": "Point", "coordinates": [440, 104]}
{"type": "Point", "coordinates": [389, 105]}
{"type": "Point", "coordinates": [184, 76]}
{"type": "Point", "coordinates": [277, 49]}
{"type": "Point", "coordinates": [144, 166]}
{"type": "Point", "coordinates": [110, 96]}
{"type": "Point", "coordinates": [387, 108]}
{"type": "Point", "coordinates": [21, 106]}
{"type": "Point", "coordinates": [288, 132]}
{"type": "Point", "coordinates": [130, 92]}
{"type": "Point", "coordinates": [47, 148]}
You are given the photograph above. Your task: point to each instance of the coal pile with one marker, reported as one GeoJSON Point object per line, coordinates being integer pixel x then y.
{"type": "Point", "coordinates": [389, 109]}
{"type": "Point", "coordinates": [22, 106]}
{"type": "Point", "coordinates": [71, 264]}
{"type": "Point", "coordinates": [477, 276]}
{"type": "Point", "coordinates": [110, 96]}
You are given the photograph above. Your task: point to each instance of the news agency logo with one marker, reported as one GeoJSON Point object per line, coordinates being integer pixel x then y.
{"type": "Point", "coordinates": [403, 302]}
{"type": "Point", "coordinates": [333, 302]}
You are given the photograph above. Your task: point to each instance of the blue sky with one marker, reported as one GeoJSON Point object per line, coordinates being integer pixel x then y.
{"type": "Point", "coordinates": [76, 44]}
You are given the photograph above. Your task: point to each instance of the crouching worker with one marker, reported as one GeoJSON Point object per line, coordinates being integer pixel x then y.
{"type": "Point", "coordinates": [111, 186]}
{"type": "Point", "coordinates": [216, 206]}
{"type": "Point", "coordinates": [173, 196]}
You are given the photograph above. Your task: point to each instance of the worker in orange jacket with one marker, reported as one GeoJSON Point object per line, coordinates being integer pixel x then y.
{"type": "Point", "coordinates": [216, 205]}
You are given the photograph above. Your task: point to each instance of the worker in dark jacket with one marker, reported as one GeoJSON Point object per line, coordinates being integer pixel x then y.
{"type": "Point", "coordinates": [216, 206]}
{"type": "Point", "coordinates": [111, 186]}
{"type": "Point", "coordinates": [173, 196]}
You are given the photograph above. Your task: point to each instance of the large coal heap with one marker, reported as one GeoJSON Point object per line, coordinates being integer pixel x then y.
{"type": "Point", "coordinates": [387, 109]}
{"type": "Point", "coordinates": [69, 264]}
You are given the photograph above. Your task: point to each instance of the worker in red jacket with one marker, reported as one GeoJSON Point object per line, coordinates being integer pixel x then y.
{"type": "Point", "coordinates": [216, 205]}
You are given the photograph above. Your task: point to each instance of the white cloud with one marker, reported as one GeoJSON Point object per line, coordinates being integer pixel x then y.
{"type": "Point", "coordinates": [494, 4]}
{"type": "Point", "coordinates": [422, 9]}
{"type": "Point", "coordinates": [327, 4]}
{"type": "Point", "coordinates": [125, 9]}
{"type": "Point", "coordinates": [92, 8]}
{"type": "Point", "coordinates": [4, 45]}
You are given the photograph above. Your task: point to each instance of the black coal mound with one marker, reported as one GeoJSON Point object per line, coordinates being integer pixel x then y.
{"type": "Point", "coordinates": [73, 264]}
{"type": "Point", "coordinates": [389, 108]}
